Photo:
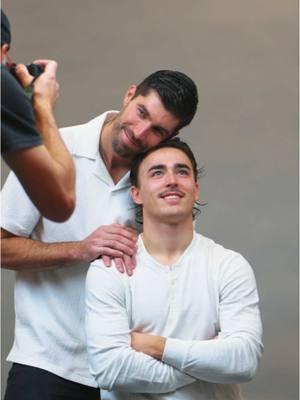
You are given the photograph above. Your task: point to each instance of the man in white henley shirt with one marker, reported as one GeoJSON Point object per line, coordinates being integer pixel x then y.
{"type": "Point", "coordinates": [186, 325]}
{"type": "Point", "coordinates": [51, 260]}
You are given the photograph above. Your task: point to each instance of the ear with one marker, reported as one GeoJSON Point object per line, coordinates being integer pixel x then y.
{"type": "Point", "coordinates": [4, 53]}
{"type": "Point", "coordinates": [197, 191]}
{"type": "Point", "coordinates": [135, 194]}
{"type": "Point", "coordinates": [129, 94]}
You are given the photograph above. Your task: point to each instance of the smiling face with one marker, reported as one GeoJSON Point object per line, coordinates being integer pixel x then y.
{"type": "Point", "coordinates": [142, 123]}
{"type": "Point", "coordinates": [167, 187]}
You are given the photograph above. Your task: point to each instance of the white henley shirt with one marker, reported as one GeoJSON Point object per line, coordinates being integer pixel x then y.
{"type": "Point", "coordinates": [210, 291]}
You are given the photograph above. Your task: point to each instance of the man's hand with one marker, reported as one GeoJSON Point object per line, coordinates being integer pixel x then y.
{"type": "Point", "coordinates": [46, 87]}
{"type": "Point", "coordinates": [111, 241]}
{"type": "Point", "coordinates": [125, 263]}
{"type": "Point", "coordinates": [149, 344]}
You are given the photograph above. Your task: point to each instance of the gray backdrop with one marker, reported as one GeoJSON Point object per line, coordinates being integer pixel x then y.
{"type": "Point", "coordinates": [243, 55]}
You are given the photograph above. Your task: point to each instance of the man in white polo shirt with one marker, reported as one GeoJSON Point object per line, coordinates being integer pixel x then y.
{"type": "Point", "coordinates": [186, 325]}
{"type": "Point", "coordinates": [51, 260]}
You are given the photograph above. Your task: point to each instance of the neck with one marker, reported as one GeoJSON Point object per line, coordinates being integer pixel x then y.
{"type": "Point", "coordinates": [116, 166]}
{"type": "Point", "coordinates": [167, 242]}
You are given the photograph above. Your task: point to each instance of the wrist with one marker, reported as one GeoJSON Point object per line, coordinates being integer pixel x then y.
{"type": "Point", "coordinates": [41, 106]}
{"type": "Point", "coordinates": [76, 253]}
{"type": "Point", "coordinates": [157, 346]}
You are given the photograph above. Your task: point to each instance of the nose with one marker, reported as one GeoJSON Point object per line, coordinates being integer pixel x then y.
{"type": "Point", "coordinates": [171, 179]}
{"type": "Point", "coordinates": [142, 130]}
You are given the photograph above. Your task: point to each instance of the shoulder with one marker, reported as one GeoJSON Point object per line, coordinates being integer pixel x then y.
{"type": "Point", "coordinates": [18, 122]}
{"type": "Point", "coordinates": [106, 279]}
{"type": "Point", "coordinates": [8, 81]}
{"type": "Point", "coordinates": [71, 135]}
{"type": "Point", "coordinates": [21, 216]}
{"type": "Point", "coordinates": [83, 139]}
{"type": "Point", "coordinates": [12, 91]}
{"type": "Point", "coordinates": [222, 260]}
{"type": "Point", "coordinates": [216, 250]}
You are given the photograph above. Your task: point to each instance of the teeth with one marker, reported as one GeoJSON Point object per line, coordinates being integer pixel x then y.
{"type": "Point", "coordinates": [172, 196]}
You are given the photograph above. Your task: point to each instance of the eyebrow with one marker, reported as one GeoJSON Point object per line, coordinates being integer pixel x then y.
{"type": "Point", "coordinates": [158, 127]}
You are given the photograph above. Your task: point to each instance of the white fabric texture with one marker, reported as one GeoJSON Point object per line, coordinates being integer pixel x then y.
{"type": "Point", "coordinates": [209, 291]}
{"type": "Point", "coordinates": [49, 305]}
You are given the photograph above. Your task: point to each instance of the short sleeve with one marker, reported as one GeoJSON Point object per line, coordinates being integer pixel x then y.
{"type": "Point", "coordinates": [19, 216]}
{"type": "Point", "coordinates": [18, 126]}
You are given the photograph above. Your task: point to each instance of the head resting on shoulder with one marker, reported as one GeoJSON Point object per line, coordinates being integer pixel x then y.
{"type": "Point", "coordinates": [177, 92]}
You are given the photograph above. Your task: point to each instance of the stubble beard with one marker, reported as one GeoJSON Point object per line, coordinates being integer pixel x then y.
{"type": "Point", "coordinates": [120, 148]}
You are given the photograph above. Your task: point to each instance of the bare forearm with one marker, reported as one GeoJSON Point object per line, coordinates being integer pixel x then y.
{"type": "Point", "coordinates": [54, 144]}
{"type": "Point", "coordinates": [151, 345]}
{"type": "Point", "coordinates": [43, 180]}
{"type": "Point", "coordinates": [46, 172]}
{"type": "Point", "coordinates": [22, 254]}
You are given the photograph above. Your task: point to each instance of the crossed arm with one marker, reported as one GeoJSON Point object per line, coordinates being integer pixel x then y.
{"type": "Point", "coordinates": [114, 363]}
{"type": "Point", "coordinates": [132, 361]}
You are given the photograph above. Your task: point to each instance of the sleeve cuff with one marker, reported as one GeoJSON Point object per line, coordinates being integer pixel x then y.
{"type": "Point", "coordinates": [174, 353]}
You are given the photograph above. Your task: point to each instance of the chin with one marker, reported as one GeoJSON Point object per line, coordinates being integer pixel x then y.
{"type": "Point", "coordinates": [171, 217]}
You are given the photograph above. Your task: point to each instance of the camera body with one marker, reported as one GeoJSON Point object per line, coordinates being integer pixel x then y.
{"type": "Point", "coordinates": [34, 69]}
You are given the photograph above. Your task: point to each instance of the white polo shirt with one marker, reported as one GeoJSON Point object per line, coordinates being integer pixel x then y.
{"type": "Point", "coordinates": [49, 305]}
{"type": "Point", "coordinates": [210, 291]}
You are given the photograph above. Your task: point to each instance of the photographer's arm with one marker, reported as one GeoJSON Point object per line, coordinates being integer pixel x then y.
{"type": "Point", "coordinates": [47, 171]}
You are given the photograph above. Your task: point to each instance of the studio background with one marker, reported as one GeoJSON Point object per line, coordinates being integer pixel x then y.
{"type": "Point", "coordinates": [243, 55]}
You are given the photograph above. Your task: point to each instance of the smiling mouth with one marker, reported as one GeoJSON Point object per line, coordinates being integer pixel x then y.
{"type": "Point", "coordinates": [130, 138]}
{"type": "Point", "coordinates": [171, 195]}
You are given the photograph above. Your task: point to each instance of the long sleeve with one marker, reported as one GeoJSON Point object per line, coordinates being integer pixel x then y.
{"type": "Point", "coordinates": [232, 357]}
{"type": "Point", "coordinates": [113, 363]}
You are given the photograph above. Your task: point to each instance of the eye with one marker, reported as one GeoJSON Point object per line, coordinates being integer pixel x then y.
{"type": "Point", "coordinates": [156, 172]}
{"type": "Point", "coordinates": [141, 113]}
{"type": "Point", "coordinates": [183, 171]}
{"type": "Point", "coordinates": [158, 132]}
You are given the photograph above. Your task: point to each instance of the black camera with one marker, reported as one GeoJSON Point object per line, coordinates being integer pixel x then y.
{"type": "Point", "coordinates": [34, 69]}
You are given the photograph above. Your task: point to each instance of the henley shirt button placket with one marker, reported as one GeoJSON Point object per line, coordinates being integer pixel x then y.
{"type": "Point", "coordinates": [172, 295]}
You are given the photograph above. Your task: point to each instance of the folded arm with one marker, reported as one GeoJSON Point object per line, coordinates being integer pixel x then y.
{"type": "Point", "coordinates": [232, 357]}
{"type": "Point", "coordinates": [114, 364]}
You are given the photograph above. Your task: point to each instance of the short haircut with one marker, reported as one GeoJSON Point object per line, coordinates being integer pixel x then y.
{"type": "Point", "coordinates": [5, 30]}
{"type": "Point", "coordinates": [177, 92]}
{"type": "Point", "coordinates": [174, 143]}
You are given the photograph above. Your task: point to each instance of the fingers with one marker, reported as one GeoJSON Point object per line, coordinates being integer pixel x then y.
{"type": "Point", "coordinates": [122, 264]}
{"type": "Point", "coordinates": [116, 237]}
{"type": "Point", "coordinates": [125, 263]}
{"type": "Point", "coordinates": [119, 244]}
{"type": "Point", "coordinates": [129, 263]}
{"type": "Point", "coordinates": [106, 260]}
{"type": "Point", "coordinates": [46, 87]}
{"type": "Point", "coordinates": [50, 66]}
{"type": "Point", "coordinates": [119, 264]}
{"type": "Point", "coordinates": [23, 75]}
{"type": "Point", "coordinates": [125, 231]}
{"type": "Point", "coordinates": [114, 241]}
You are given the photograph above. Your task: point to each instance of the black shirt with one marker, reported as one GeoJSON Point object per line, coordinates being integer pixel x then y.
{"type": "Point", "coordinates": [18, 126]}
